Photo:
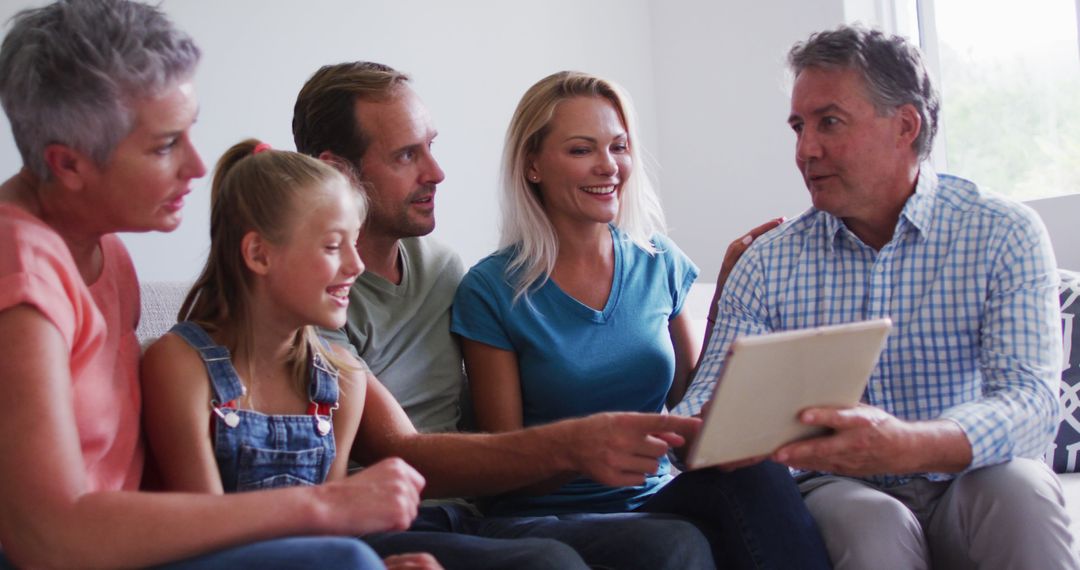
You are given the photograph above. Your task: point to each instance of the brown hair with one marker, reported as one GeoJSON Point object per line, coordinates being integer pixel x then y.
{"type": "Point", "coordinates": [324, 117]}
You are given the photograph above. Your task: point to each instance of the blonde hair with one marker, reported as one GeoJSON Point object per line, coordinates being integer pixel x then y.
{"type": "Point", "coordinates": [525, 228]}
{"type": "Point", "coordinates": [261, 193]}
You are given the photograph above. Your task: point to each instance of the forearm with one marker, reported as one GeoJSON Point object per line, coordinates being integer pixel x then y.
{"type": "Point", "coordinates": [687, 352]}
{"type": "Point", "coordinates": [134, 529]}
{"type": "Point", "coordinates": [1008, 423]}
{"type": "Point", "coordinates": [937, 446]}
{"type": "Point", "coordinates": [479, 464]}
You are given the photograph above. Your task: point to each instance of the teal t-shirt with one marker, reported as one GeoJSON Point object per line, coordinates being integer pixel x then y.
{"type": "Point", "coordinates": [574, 360]}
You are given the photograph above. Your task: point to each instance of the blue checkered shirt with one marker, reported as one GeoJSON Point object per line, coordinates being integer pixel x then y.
{"type": "Point", "coordinates": [970, 283]}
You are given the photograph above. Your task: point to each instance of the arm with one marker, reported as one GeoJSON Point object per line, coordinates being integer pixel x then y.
{"type": "Point", "coordinates": [734, 252]}
{"type": "Point", "coordinates": [176, 416]}
{"type": "Point", "coordinates": [681, 330]}
{"type": "Point", "coordinates": [741, 311]}
{"type": "Point", "coordinates": [614, 448]}
{"type": "Point", "coordinates": [1019, 350]}
{"type": "Point", "coordinates": [495, 386]}
{"type": "Point", "coordinates": [352, 387]}
{"type": "Point", "coordinates": [58, 521]}
{"type": "Point", "coordinates": [496, 394]}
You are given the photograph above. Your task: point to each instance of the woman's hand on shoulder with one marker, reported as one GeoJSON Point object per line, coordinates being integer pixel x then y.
{"type": "Point", "coordinates": [735, 251]}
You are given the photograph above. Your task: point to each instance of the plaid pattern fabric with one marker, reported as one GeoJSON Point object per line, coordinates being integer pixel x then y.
{"type": "Point", "coordinates": [970, 283]}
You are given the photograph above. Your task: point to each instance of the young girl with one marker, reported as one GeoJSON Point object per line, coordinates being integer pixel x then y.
{"type": "Point", "coordinates": [243, 394]}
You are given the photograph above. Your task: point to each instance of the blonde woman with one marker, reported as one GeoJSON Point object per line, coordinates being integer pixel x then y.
{"type": "Point", "coordinates": [580, 312]}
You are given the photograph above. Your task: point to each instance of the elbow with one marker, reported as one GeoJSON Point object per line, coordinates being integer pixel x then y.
{"type": "Point", "coordinates": [23, 550]}
{"type": "Point", "coordinates": [1051, 411]}
{"type": "Point", "coordinates": [56, 543]}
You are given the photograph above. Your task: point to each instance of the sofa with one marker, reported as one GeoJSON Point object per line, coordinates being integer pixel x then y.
{"type": "Point", "coordinates": [161, 301]}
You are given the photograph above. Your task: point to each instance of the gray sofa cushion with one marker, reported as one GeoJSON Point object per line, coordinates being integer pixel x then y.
{"type": "Point", "coordinates": [160, 302]}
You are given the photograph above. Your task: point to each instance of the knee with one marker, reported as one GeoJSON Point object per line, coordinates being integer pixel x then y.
{"type": "Point", "coordinates": [1014, 486]}
{"type": "Point", "coordinates": [542, 554]}
{"type": "Point", "coordinates": [347, 553]}
{"type": "Point", "coordinates": [870, 530]}
{"type": "Point", "coordinates": [766, 487]}
{"type": "Point", "coordinates": [1012, 513]}
{"type": "Point", "coordinates": [765, 476]}
{"type": "Point", "coordinates": [1021, 495]}
{"type": "Point", "coordinates": [664, 543]}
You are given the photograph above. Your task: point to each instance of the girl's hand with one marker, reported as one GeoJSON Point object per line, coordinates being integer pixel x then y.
{"type": "Point", "coordinates": [383, 497]}
{"type": "Point", "coordinates": [412, 561]}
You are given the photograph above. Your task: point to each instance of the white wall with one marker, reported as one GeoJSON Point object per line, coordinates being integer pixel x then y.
{"type": "Point", "coordinates": [723, 102]}
{"type": "Point", "coordinates": [471, 61]}
{"type": "Point", "coordinates": [707, 77]}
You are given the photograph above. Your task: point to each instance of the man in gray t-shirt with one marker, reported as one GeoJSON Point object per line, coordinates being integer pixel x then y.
{"type": "Point", "coordinates": [402, 332]}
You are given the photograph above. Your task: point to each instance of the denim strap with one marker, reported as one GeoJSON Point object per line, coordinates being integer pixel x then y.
{"type": "Point", "coordinates": [323, 386]}
{"type": "Point", "coordinates": [223, 378]}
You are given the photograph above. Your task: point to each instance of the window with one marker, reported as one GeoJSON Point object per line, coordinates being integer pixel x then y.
{"type": "Point", "coordinates": [1009, 76]}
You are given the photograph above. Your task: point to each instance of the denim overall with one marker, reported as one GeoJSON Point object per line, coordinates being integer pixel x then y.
{"type": "Point", "coordinates": [260, 451]}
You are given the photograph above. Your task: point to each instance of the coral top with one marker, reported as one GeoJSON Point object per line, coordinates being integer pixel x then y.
{"type": "Point", "coordinates": [98, 323]}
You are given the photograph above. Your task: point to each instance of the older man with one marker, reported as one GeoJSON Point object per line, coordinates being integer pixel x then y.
{"type": "Point", "coordinates": [937, 466]}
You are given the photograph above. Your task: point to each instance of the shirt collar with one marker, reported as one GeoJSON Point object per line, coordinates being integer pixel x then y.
{"type": "Point", "coordinates": [918, 211]}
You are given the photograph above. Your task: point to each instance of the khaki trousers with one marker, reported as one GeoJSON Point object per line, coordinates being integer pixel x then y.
{"type": "Point", "coordinates": [1008, 516]}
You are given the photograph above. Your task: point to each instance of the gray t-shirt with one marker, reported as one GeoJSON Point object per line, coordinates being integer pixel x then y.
{"type": "Point", "coordinates": [402, 332]}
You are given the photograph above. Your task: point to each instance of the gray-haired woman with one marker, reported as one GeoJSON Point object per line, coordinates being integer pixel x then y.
{"type": "Point", "coordinates": [100, 98]}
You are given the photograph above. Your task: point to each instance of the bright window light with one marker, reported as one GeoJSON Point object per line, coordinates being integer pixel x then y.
{"type": "Point", "coordinates": [1009, 74]}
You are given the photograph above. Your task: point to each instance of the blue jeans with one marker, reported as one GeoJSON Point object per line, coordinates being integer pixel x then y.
{"type": "Point", "coordinates": [753, 517]}
{"type": "Point", "coordinates": [460, 539]}
{"type": "Point", "coordinates": [281, 554]}
{"type": "Point", "coordinates": [288, 554]}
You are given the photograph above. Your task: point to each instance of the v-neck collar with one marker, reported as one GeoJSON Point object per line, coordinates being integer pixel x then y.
{"type": "Point", "coordinates": [383, 284]}
{"type": "Point", "coordinates": [576, 307]}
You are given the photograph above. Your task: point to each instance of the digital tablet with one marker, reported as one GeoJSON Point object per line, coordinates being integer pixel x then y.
{"type": "Point", "coordinates": [768, 379]}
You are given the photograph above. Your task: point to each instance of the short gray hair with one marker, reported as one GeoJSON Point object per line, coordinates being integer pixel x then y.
{"type": "Point", "coordinates": [891, 67]}
{"type": "Point", "coordinates": [69, 71]}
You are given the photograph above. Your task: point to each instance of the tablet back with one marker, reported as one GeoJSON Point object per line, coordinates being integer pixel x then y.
{"type": "Point", "coordinates": [768, 379]}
